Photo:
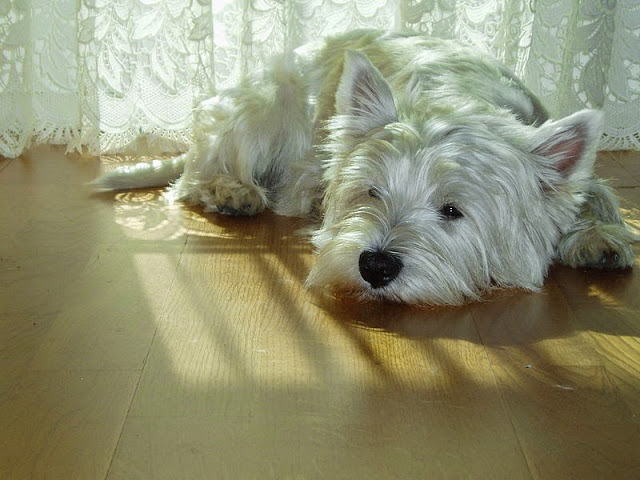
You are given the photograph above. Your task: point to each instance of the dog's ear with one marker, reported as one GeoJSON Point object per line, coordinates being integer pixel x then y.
{"type": "Point", "coordinates": [363, 95]}
{"type": "Point", "coordinates": [569, 145]}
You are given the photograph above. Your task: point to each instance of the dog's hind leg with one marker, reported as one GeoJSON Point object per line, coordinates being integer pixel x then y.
{"type": "Point", "coordinates": [599, 238]}
{"type": "Point", "coordinates": [246, 141]}
{"type": "Point", "coordinates": [228, 195]}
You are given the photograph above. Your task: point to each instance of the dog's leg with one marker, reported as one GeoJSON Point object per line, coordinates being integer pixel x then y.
{"type": "Point", "coordinates": [218, 173]}
{"type": "Point", "coordinates": [599, 238]}
{"type": "Point", "coordinates": [246, 141]}
{"type": "Point", "coordinates": [231, 180]}
{"type": "Point", "coordinates": [228, 195]}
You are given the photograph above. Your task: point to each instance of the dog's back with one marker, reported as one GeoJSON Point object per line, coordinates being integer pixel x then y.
{"type": "Point", "coordinates": [433, 75]}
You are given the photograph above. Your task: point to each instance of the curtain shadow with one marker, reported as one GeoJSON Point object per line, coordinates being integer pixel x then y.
{"type": "Point", "coordinates": [505, 317]}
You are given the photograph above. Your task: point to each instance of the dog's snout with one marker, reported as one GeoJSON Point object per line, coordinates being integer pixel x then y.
{"type": "Point", "coordinates": [379, 268]}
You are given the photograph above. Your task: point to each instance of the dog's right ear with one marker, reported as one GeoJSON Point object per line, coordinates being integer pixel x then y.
{"type": "Point", "coordinates": [363, 95]}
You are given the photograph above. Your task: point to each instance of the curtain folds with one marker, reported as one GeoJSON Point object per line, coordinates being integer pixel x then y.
{"type": "Point", "coordinates": [112, 76]}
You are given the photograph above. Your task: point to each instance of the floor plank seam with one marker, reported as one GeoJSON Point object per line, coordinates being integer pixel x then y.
{"type": "Point", "coordinates": [503, 400]}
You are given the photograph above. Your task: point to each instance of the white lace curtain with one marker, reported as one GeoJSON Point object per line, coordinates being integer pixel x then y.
{"type": "Point", "coordinates": [109, 76]}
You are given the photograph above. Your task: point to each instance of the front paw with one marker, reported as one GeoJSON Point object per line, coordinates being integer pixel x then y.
{"type": "Point", "coordinates": [604, 247]}
{"type": "Point", "coordinates": [608, 260]}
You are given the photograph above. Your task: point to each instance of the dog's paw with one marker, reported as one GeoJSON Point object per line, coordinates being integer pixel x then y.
{"type": "Point", "coordinates": [229, 196]}
{"type": "Point", "coordinates": [604, 247]}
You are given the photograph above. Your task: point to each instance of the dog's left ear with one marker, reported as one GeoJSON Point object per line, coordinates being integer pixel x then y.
{"type": "Point", "coordinates": [363, 95]}
{"type": "Point", "coordinates": [569, 145]}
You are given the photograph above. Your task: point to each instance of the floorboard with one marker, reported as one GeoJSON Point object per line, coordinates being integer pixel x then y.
{"type": "Point", "coordinates": [154, 341]}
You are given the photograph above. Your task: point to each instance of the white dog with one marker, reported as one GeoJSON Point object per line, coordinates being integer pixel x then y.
{"type": "Point", "coordinates": [436, 173]}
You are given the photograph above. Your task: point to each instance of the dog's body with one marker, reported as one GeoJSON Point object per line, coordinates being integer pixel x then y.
{"type": "Point", "coordinates": [436, 173]}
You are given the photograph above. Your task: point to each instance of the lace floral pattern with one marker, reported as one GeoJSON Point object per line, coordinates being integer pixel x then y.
{"type": "Point", "coordinates": [123, 75]}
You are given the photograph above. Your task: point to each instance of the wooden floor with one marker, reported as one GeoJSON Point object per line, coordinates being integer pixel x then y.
{"type": "Point", "coordinates": [145, 341]}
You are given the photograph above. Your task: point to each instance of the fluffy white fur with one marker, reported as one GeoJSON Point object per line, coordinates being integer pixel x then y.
{"type": "Point", "coordinates": [435, 173]}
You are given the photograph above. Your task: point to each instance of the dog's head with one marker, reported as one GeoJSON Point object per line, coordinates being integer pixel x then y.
{"type": "Point", "coordinates": [437, 208]}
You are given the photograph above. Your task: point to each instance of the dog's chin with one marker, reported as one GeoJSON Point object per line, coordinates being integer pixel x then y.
{"type": "Point", "coordinates": [345, 284]}
{"type": "Point", "coordinates": [359, 293]}
{"type": "Point", "coordinates": [394, 293]}
{"type": "Point", "coordinates": [339, 276]}
{"type": "Point", "coordinates": [340, 284]}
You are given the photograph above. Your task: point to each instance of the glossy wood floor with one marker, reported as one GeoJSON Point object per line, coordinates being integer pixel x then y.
{"type": "Point", "coordinates": [144, 341]}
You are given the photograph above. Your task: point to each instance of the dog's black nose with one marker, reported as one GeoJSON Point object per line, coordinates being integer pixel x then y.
{"type": "Point", "coordinates": [379, 268]}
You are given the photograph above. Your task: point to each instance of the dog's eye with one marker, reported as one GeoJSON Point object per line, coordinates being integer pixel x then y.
{"type": "Point", "coordinates": [374, 193]}
{"type": "Point", "coordinates": [450, 212]}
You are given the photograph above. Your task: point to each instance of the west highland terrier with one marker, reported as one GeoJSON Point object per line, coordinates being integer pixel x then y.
{"type": "Point", "coordinates": [437, 175]}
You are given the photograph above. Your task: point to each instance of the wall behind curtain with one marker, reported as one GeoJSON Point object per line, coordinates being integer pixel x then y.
{"type": "Point", "coordinates": [110, 76]}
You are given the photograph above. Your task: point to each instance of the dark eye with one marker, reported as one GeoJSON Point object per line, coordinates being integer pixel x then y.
{"type": "Point", "coordinates": [450, 212]}
{"type": "Point", "coordinates": [374, 193]}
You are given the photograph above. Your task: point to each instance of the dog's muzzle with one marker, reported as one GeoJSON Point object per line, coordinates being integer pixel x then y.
{"type": "Point", "coordinates": [379, 268]}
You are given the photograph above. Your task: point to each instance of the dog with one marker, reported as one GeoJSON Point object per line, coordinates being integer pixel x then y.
{"type": "Point", "coordinates": [434, 174]}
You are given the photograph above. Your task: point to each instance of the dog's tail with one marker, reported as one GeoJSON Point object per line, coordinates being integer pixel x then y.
{"type": "Point", "coordinates": [154, 173]}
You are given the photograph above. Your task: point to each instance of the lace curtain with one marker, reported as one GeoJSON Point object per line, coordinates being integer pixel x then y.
{"type": "Point", "coordinates": [111, 76]}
